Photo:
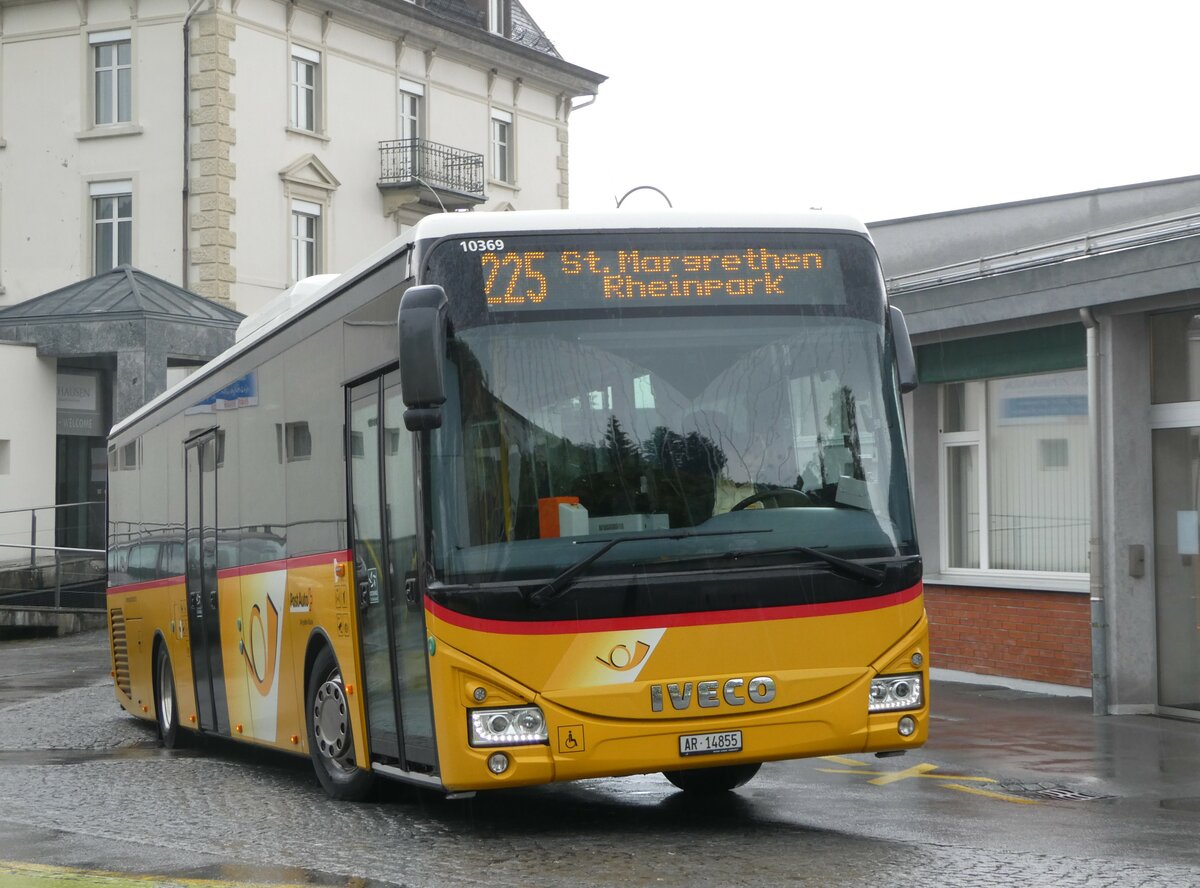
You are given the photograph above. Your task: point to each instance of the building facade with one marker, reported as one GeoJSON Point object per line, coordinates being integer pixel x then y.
{"type": "Point", "coordinates": [1055, 438]}
{"type": "Point", "coordinates": [232, 147]}
{"type": "Point", "coordinates": [290, 139]}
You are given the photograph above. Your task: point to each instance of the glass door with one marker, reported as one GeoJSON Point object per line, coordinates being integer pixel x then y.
{"type": "Point", "coordinates": [1175, 423]}
{"type": "Point", "coordinates": [204, 618]}
{"type": "Point", "coordinates": [391, 613]}
{"type": "Point", "coordinates": [408, 610]}
{"type": "Point", "coordinates": [1177, 567]}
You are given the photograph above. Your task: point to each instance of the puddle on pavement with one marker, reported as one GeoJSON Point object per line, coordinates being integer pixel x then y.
{"type": "Point", "coordinates": [30, 875]}
{"type": "Point", "coordinates": [12, 757]}
{"type": "Point", "coordinates": [1191, 806]}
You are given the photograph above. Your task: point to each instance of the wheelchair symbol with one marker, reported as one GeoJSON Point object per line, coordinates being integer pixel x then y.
{"type": "Point", "coordinates": [570, 738]}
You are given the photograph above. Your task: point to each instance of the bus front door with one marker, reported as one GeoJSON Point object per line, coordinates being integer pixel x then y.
{"type": "Point", "coordinates": [391, 614]}
{"type": "Point", "coordinates": [204, 624]}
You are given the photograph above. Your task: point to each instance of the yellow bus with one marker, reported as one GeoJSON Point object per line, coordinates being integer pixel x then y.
{"type": "Point", "coordinates": [530, 497]}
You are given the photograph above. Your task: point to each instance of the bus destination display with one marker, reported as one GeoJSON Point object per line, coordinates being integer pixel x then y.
{"type": "Point", "coordinates": [517, 279]}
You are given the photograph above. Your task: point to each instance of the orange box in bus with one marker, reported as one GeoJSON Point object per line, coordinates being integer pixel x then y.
{"type": "Point", "coordinates": [548, 514]}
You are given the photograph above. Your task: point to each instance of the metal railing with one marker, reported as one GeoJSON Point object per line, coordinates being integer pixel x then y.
{"type": "Point", "coordinates": [45, 558]}
{"type": "Point", "coordinates": [421, 162]}
{"type": "Point", "coordinates": [1092, 244]}
{"type": "Point", "coordinates": [12, 527]}
{"type": "Point", "coordinates": [58, 577]}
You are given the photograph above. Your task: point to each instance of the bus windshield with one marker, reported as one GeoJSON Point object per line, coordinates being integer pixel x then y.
{"type": "Point", "coordinates": [761, 426]}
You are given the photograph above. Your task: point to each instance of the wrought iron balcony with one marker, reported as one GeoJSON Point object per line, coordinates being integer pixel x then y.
{"type": "Point", "coordinates": [454, 175]}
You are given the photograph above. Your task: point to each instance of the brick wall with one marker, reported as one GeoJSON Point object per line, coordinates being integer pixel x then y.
{"type": "Point", "coordinates": [1037, 636]}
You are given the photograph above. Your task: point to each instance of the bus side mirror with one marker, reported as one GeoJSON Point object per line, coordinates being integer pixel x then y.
{"type": "Point", "coordinates": [906, 361]}
{"type": "Point", "coordinates": [422, 323]}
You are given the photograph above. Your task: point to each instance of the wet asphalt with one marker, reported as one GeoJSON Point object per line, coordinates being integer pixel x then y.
{"type": "Point", "coordinates": [1019, 735]}
{"type": "Point", "coordinates": [1014, 788]}
{"type": "Point", "coordinates": [1039, 746]}
{"type": "Point", "coordinates": [34, 662]}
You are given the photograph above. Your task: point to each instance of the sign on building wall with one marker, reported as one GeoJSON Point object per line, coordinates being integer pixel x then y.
{"type": "Point", "coordinates": [79, 403]}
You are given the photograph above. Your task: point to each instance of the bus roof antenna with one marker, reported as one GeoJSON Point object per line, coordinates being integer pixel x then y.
{"type": "Point", "coordinates": [646, 188]}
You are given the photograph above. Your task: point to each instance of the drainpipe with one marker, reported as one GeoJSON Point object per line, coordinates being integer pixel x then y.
{"type": "Point", "coordinates": [187, 121]}
{"type": "Point", "coordinates": [1095, 558]}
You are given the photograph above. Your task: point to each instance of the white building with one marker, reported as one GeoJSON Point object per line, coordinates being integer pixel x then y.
{"type": "Point", "coordinates": [231, 147]}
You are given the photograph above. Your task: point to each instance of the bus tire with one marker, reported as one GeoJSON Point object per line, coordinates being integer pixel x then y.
{"type": "Point", "coordinates": [711, 781]}
{"type": "Point", "coordinates": [166, 702]}
{"type": "Point", "coordinates": [330, 739]}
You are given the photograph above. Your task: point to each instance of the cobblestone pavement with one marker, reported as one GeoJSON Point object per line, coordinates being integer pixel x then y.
{"type": "Point", "coordinates": [85, 785]}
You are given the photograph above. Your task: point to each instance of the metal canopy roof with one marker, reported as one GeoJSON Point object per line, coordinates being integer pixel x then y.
{"type": "Point", "coordinates": [119, 294]}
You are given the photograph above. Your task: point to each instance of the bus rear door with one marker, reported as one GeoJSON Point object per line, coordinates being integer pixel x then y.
{"type": "Point", "coordinates": [204, 623]}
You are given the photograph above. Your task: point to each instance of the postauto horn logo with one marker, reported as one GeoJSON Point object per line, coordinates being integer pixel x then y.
{"type": "Point", "coordinates": [621, 659]}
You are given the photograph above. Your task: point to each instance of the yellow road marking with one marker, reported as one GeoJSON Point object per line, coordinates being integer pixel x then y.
{"type": "Point", "coordinates": [17, 874]}
{"type": "Point", "coordinates": [886, 777]}
{"type": "Point", "coordinates": [842, 760]}
{"type": "Point", "coordinates": [896, 776]}
{"type": "Point", "coordinates": [975, 790]}
{"type": "Point", "coordinates": [925, 771]}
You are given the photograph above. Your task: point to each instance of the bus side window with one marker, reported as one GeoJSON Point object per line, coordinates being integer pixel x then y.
{"type": "Point", "coordinates": [143, 561]}
{"type": "Point", "coordinates": [173, 565]}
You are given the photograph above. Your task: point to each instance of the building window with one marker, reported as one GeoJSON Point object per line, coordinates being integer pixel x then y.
{"type": "Point", "coordinates": [1014, 474]}
{"type": "Point", "coordinates": [112, 224]}
{"type": "Point", "coordinates": [129, 455]}
{"type": "Point", "coordinates": [495, 18]}
{"type": "Point", "coordinates": [112, 77]}
{"type": "Point", "coordinates": [502, 146]}
{"type": "Point", "coordinates": [178, 371]}
{"type": "Point", "coordinates": [305, 89]}
{"type": "Point", "coordinates": [410, 110]}
{"type": "Point", "coordinates": [393, 437]}
{"type": "Point", "coordinates": [306, 239]}
{"type": "Point", "coordinates": [1055, 453]}
{"type": "Point", "coordinates": [297, 441]}
{"type": "Point", "coordinates": [4, 457]}
{"type": "Point", "coordinates": [408, 159]}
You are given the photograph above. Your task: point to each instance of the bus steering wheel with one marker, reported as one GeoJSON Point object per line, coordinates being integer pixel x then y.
{"type": "Point", "coordinates": [798, 498]}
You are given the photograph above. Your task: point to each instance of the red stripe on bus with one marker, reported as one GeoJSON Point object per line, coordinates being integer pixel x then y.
{"type": "Point", "coordinates": [669, 621]}
{"type": "Point", "coordinates": [297, 563]}
{"type": "Point", "coordinates": [149, 584]}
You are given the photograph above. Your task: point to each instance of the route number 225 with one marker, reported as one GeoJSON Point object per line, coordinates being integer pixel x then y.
{"type": "Point", "coordinates": [513, 278]}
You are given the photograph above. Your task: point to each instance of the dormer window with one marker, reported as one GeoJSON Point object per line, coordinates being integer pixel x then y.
{"type": "Point", "coordinates": [496, 17]}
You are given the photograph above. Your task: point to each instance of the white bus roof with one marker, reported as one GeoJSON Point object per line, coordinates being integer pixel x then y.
{"type": "Point", "coordinates": [452, 224]}
{"type": "Point", "coordinates": [312, 292]}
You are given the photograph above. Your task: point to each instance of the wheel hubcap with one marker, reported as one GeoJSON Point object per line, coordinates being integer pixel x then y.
{"type": "Point", "coordinates": [331, 725]}
{"type": "Point", "coordinates": [166, 694]}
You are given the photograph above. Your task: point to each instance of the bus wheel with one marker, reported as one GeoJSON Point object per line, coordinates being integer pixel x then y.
{"type": "Point", "coordinates": [330, 741]}
{"type": "Point", "coordinates": [166, 705]}
{"type": "Point", "coordinates": [710, 781]}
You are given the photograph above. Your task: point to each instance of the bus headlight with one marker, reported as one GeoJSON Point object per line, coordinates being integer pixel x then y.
{"type": "Point", "coordinates": [893, 692]}
{"type": "Point", "coordinates": [517, 726]}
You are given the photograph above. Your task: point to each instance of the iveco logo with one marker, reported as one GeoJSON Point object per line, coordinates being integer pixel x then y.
{"type": "Point", "coordinates": [708, 694]}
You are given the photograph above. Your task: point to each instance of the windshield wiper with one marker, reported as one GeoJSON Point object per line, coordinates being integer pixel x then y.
{"type": "Point", "coordinates": [855, 570]}
{"type": "Point", "coordinates": [559, 585]}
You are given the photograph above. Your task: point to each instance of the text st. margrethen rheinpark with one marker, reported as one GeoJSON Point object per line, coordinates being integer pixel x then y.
{"type": "Point", "coordinates": [534, 277]}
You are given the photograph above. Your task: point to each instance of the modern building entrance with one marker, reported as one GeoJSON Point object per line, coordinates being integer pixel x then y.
{"type": "Point", "coordinates": [1175, 422]}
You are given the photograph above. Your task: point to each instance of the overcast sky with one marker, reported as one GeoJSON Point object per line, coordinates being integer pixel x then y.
{"type": "Point", "coordinates": [877, 109]}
